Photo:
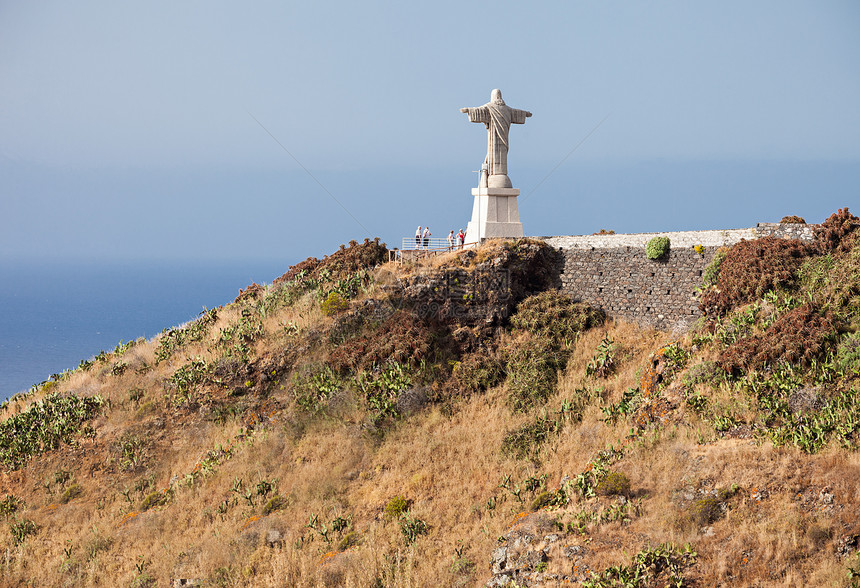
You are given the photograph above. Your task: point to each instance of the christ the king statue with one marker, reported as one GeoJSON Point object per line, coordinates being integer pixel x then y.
{"type": "Point", "coordinates": [497, 117]}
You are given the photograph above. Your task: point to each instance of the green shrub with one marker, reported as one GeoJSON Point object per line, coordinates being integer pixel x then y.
{"type": "Point", "coordinates": [543, 500]}
{"type": "Point", "coordinates": [275, 503]}
{"type": "Point", "coordinates": [334, 304]}
{"type": "Point", "coordinates": [382, 389]}
{"type": "Point", "coordinates": [631, 399]}
{"type": "Point", "coordinates": [411, 527]}
{"type": "Point", "coordinates": [175, 339]}
{"type": "Point", "coordinates": [10, 505]}
{"type": "Point", "coordinates": [130, 451]}
{"type": "Point", "coordinates": [351, 539]}
{"type": "Point", "coordinates": [848, 353]}
{"type": "Point", "coordinates": [314, 385]}
{"type": "Point", "coordinates": [657, 248]}
{"type": "Point", "coordinates": [153, 499]}
{"type": "Point", "coordinates": [702, 373]}
{"type": "Point", "coordinates": [532, 374]}
{"type": "Point", "coordinates": [697, 403]}
{"type": "Point", "coordinates": [280, 295]}
{"type": "Point", "coordinates": [44, 425]}
{"type": "Point", "coordinates": [614, 484]}
{"type": "Point", "coordinates": [833, 282]}
{"type": "Point", "coordinates": [70, 493]}
{"type": "Point", "coordinates": [603, 362]}
{"type": "Point", "coordinates": [555, 317]}
{"type": "Point", "coordinates": [705, 511]}
{"type": "Point", "coordinates": [187, 377]}
{"type": "Point", "coordinates": [478, 372]}
{"type": "Point", "coordinates": [525, 441]}
{"type": "Point", "coordinates": [22, 529]}
{"type": "Point", "coordinates": [145, 409]}
{"type": "Point", "coordinates": [396, 507]}
{"type": "Point", "coordinates": [712, 272]}
{"type": "Point", "coordinates": [236, 339]}
{"type": "Point", "coordinates": [462, 567]}
{"type": "Point", "coordinates": [663, 565]}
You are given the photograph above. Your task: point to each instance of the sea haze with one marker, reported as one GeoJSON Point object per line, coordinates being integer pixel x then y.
{"type": "Point", "coordinates": [53, 315]}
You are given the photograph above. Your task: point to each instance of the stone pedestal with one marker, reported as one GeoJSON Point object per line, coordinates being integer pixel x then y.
{"type": "Point", "coordinates": [494, 215]}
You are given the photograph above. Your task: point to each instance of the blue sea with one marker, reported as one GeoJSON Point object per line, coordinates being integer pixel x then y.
{"type": "Point", "coordinates": [53, 315]}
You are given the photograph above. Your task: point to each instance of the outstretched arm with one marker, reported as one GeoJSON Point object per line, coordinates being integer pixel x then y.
{"type": "Point", "coordinates": [519, 116]}
{"type": "Point", "coordinates": [478, 114]}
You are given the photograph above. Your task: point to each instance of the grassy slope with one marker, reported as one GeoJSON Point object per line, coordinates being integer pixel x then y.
{"type": "Point", "coordinates": [178, 482]}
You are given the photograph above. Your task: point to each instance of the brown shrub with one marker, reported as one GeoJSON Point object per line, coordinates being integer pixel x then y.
{"type": "Point", "coordinates": [309, 266]}
{"type": "Point", "coordinates": [533, 266]}
{"type": "Point", "coordinates": [251, 294]}
{"type": "Point", "coordinates": [798, 336]}
{"type": "Point", "coordinates": [403, 337]}
{"type": "Point", "coordinates": [792, 220]}
{"type": "Point", "coordinates": [830, 235]}
{"type": "Point", "coordinates": [753, 268]}
{"type": "Point", "coordinates": [341, 263]}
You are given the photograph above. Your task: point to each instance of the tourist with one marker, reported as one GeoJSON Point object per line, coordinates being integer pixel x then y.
{"type": "Point", "coordinates": [451, 240]}
{"type": "Point", "coordinates": [461, 238]}
{"type": "Point", "coordinates": [418, 238]}
{"type": "Point", "coordinates": [426, 235]}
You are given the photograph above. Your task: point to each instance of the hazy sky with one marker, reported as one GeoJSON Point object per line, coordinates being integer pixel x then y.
{"type": "Point", "coordinates": [128, 130]}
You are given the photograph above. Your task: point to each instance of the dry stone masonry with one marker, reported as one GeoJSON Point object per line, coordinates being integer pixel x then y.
{"type": "Point", "coordinates": [613, 273]}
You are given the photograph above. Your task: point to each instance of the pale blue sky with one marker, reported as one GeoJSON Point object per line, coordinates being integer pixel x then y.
{"type": "Point", "coordinates": [126, 129]}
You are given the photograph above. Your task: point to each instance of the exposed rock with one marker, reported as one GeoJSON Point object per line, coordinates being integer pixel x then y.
{"type": "Point", "coordinates": [847, 545]}
{"type": "Point", "coordinates": [412, 400]}
{"type": "Point", "coordinates": [499, 560]}
{"type": "Point", "coordinates": [188, 582]}
{"type": "Point", "coordinates": [274, 538]}
{"type": "Point", "coordinates": [805, 400]}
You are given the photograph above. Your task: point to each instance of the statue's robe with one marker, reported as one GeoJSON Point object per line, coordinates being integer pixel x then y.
{"type": "Point", "coordinates": [498, 119]}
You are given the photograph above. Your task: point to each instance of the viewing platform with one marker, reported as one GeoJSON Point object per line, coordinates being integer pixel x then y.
{"type": "Point", "coordinates": [412, 248]}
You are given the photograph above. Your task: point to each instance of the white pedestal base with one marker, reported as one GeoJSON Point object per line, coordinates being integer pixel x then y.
{"type": "Point", "coordinates": [494, 215]}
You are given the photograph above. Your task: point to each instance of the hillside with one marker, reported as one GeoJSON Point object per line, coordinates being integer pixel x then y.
{"type": "Point", "coordinates": [454, 421]}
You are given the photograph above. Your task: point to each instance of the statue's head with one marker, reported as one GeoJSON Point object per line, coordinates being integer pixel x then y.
{"type": "Point", "coordinates": [496, 97]}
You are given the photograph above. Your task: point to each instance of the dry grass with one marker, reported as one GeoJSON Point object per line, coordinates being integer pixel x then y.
{"type": "Point", "coordinates": [781, 527]}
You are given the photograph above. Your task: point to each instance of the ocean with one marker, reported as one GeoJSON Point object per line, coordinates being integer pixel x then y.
{"type": "Point", "coordinates": [53, 315]}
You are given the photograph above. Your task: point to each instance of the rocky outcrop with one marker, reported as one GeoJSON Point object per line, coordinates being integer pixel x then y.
{"type": "Point", "coordinates": [535, 553]}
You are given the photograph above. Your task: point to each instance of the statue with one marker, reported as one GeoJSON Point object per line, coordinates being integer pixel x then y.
{"type": "Point", "coordinates": [497, 117]}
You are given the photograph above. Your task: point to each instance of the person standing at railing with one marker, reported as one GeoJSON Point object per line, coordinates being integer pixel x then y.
{"type": "Point", "coordinates": [461, 238]}
{"type": "Point", "coordinates": [451, 240]}
{"type": "Point", "coordinates": [418, 238]}
{"type": "Point", "coordinates": [426, 235]}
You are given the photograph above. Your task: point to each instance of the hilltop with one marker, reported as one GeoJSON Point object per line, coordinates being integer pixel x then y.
{"type": "Point", "coordinates": [453, 421]}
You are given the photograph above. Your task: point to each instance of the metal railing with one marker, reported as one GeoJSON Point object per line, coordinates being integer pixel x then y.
{"type": "Point", "coordinates": [414, 249]}
{"type": "Point", "coordinates": [429, 244]}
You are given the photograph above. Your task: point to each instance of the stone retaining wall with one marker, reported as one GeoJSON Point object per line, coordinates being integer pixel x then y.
{"type": "Point", "coordinates": [613, 273]}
